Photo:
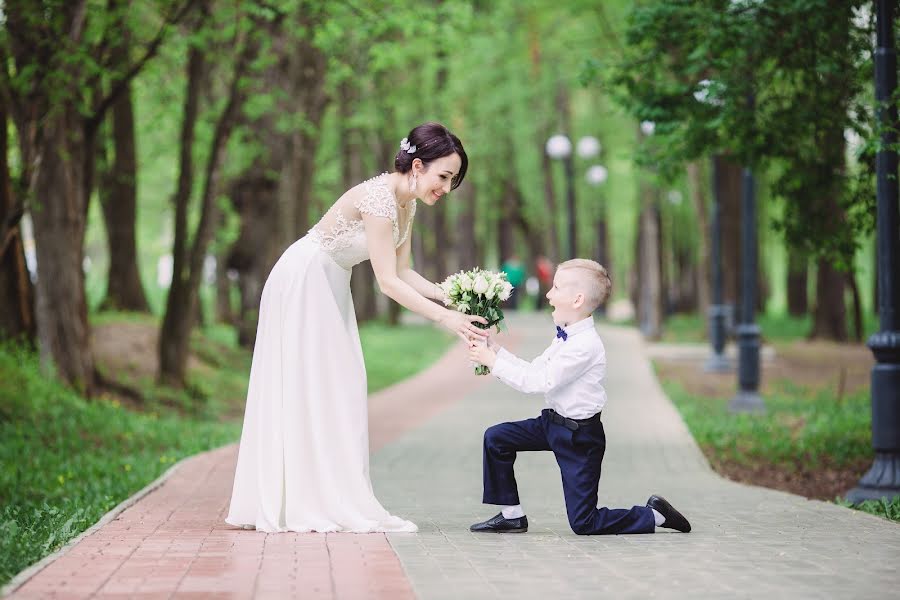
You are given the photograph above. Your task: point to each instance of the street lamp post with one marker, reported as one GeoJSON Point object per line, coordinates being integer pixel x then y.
{"type": "Point", "coordinates": [596, 176]}
{"type": "Point", "coordinates": [560, 148]}
{"type": "Point", "coordinates": [717, 361]}
{"type": "Point", "coordinates": [747, 398]}
{"type": "Point", "coordinates": [883, 478]}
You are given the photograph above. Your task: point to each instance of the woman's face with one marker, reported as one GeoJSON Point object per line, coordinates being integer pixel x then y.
{"type": "Point", "coordinates": [435, 181]}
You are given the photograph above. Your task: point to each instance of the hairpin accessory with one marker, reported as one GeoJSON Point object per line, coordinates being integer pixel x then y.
{"type": "Point", "coordinates": [405, 145]}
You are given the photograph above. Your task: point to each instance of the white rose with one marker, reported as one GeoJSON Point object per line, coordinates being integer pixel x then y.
{"type": "Point", "coordinates": [465, 283]}
{"type": "Point", "coordinates": [506, 291]}
{"type": "Point", "coordinates": [480, 285]}
{"type": "Point", "coordinates": [491, 292]}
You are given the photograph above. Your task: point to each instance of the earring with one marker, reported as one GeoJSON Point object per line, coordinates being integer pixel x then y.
{"type": "Point", "coordinates": [412, 182]}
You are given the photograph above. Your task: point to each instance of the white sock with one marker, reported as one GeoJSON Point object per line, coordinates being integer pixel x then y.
{"type": "Point", "coordinates": [658, 517]}
{"type": "Point", "coordinates": [513, 512]}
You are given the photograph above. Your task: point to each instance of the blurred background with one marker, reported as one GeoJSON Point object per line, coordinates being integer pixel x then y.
{"type": "Point", "coordinates": [200, 138]}
{"type": "Point", "coordinates": [159, 155]}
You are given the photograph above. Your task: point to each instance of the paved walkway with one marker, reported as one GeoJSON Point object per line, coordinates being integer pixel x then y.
{"type": "Point", "coordinates": [747, 542]}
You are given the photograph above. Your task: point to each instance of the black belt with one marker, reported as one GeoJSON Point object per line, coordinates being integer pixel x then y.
{"type": "Point", "coordinates": [568, 423]}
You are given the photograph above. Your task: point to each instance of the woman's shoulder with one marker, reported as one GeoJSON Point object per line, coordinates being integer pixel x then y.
{"type": "Point", "coordinates": [375, 197]}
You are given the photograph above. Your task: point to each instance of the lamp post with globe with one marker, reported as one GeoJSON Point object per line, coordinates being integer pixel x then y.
{"type": "Point", "coordinates": [560, 148]}
{"type": "Point", "coordinates": [596, 176]}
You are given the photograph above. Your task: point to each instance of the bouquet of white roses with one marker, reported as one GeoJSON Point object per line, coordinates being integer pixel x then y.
{"type": "Point", "coordinates": [478, 292]}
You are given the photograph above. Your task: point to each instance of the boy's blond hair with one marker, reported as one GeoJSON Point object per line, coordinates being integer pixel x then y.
{"type": "Point", "coordinates": [595, 277]}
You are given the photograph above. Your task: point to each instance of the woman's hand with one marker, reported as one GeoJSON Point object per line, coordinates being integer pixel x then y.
{"type": "Point", "coordinates": [463, 325]}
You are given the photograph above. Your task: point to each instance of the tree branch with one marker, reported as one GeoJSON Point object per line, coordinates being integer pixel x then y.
{"type": "Point", "coordinates": [152, 48]}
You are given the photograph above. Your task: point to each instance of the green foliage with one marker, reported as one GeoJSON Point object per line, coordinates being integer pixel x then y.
{"type": "Point", "coordinates": [773, 83]}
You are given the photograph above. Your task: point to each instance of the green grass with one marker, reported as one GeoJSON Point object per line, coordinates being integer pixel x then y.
{"type": "Point", "coordinates": [881, 508]}
{"type": "Point", "coordinates": [798, 427]}
{"type": "Point", "coordinates": [65, 461]}
{"type": "Point", "coordinates": [395, 353]}
{"type": "Point", "coordinates": [691, 328]}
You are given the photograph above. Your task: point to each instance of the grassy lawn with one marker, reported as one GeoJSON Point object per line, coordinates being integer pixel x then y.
{"type": "Point", "coordinates": [65, 460]}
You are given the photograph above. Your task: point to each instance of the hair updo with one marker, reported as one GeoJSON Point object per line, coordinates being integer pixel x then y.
{"type": "Point", "coordinates": [432, 141]}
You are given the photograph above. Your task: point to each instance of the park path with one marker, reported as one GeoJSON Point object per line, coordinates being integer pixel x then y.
{"type": "Point", "coordinates": [746, 542]}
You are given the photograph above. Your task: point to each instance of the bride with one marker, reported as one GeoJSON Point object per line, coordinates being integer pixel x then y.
{"type": "Point", "coordinates": [303, 463]}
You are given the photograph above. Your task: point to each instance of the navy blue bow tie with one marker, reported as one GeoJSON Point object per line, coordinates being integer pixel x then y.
{"type": "Point", "coordinates": [561, 333]}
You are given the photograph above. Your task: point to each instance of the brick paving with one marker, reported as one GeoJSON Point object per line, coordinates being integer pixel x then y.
{"type": "Point", "coordinates": [425, 434]}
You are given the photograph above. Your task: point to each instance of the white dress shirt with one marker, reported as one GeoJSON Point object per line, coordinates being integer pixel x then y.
{"type": "Point", "coordinates": [569, 373]}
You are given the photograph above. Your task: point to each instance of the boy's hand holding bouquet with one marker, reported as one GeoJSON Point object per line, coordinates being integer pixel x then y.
{"type": "Point", "coordinates": [478, 292]}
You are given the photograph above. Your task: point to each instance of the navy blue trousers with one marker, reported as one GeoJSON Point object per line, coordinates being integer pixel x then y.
{"type": "Point", "coordinates": [578, 453]}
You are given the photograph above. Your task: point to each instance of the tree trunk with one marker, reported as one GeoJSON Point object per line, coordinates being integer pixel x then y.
{"type": "Point", "coordinates": [700, 202]}
{"type": "Point", "coordinates": [650, 290]}
{"type": "Point", "coordinates": [125, 290]}
{"type": "Point", "coordinates": [506, 243]}
{"type": "Point", "coordinates": [172, 353]}
{"type": "Point", "coordinates": [362, 280]}
{"type": "Point", "coordinates": [312, 100]}
{"type": "Point", "coordinates": [798, 265]}
{"type": "Point", "coordinates": [830, 315]}
{"type": "Point", "coordinates": [184, 293]}
{"type": "Point", "coordinates": [59, 224]}
{"type": "Point", "coordinates": [857, 307]}
{"type": "Point", "coordinates": [224, 311]}
{"type": "Point", "coordinates": [16, 291]}
{"type": "Point", "coordinates": [730, 178]}
{"type": "Point", "coordinates": [467, 240]}
{"type": "Point", "coordinates": [255, 198]}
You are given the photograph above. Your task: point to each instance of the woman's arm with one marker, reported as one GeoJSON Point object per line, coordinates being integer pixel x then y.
{"type": "Point", "coordinates": [412, 278]}
{"type": "Point", "coordinates": [383, 256]}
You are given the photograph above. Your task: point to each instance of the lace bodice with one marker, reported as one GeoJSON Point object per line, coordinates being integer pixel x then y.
{"type": "Point", "coordinates": [340, 232]}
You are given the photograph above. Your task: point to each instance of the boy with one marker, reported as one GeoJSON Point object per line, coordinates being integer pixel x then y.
{"type": "Point", "coordinates": [570, 375]}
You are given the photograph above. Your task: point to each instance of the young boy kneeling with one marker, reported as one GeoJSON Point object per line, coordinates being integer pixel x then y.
{"type": "Point", "coordinates": [570, 374]}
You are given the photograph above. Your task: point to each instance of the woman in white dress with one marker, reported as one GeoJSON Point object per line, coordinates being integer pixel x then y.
{"type": "Point", "coordinates": [303, 463]}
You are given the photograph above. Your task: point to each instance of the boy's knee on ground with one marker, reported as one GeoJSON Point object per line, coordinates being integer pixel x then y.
{"type": "Point", "coordinates": [581, 522]}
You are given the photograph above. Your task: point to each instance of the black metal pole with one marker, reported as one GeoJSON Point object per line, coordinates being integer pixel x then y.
{"type": "Point", "coordinates": [570, 203]}
{"type": "Point", "coordinates": [747, 398]}
{"type": "Point", "coordinates": [883, 478]}
{"type": "Point", "coordinates": [717, 361]}
{"type": "Point", "coordinates": [602, 251]}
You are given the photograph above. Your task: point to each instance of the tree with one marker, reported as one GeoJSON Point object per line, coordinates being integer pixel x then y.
{"type": "Point", "coordinates": [188, 258]}
{"type": "Point", "coordinates": [690, 67]}
{"type": "Point", "coordinates": [56, 53]}
{"type": "Point", "coordinates": [118, 197]}
{"type": "Point", "coordinates": [16, 290]}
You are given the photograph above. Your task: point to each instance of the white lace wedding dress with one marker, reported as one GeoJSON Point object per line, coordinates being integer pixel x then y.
{"type": "Point", "coordinates": [303, 463]}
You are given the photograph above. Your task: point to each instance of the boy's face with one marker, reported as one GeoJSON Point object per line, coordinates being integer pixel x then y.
{"type": "Point", "coordinates": [566, 297]}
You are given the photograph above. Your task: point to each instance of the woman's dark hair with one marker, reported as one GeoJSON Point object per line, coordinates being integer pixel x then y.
{"type": "Point", "coordinates": [432, 141]}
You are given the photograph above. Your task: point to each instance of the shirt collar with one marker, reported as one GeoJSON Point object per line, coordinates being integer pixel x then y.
{"type": "Point", "coordinates": [579, 326]}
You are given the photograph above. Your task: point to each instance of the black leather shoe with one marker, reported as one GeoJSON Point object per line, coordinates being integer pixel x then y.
{"type": "Point", "coordinates": [499, 524]}
{"type": "Point", "coordinates": [674, 519]}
